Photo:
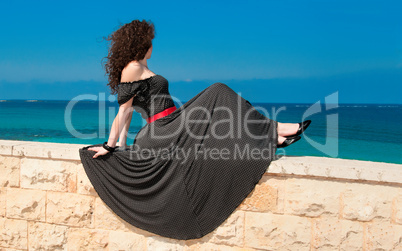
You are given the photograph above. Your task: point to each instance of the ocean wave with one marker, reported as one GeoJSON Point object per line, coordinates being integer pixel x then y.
{"type": "Point", "coordinates": [389, 106]}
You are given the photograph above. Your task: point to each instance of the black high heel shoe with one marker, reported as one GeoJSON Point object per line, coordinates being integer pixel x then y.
{"type": "Point", "coordinates": [288, 141]}
{"type": "Point", "coordinates": [302, 127]}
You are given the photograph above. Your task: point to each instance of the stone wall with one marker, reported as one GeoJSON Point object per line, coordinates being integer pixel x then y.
{"type": "Point", "coordinates": [301, 203]}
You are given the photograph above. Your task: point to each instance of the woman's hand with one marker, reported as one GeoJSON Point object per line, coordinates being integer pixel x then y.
{"type": "Point", "coordinates": [99, 151]}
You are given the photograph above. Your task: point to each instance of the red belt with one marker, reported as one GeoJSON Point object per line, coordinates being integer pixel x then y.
{"type": "Point", "coordinates": [161, 114]}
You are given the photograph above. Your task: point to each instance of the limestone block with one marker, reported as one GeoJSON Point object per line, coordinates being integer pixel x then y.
{"type": "Point", "coordinates": [44, 236]}
{"type": "Point", "coordinates": [10, 249]}
{"type": "Point", "coordinates": [44, 174]}
{"type": "Point", "coordinates": [3, 193]}
{"type": "Point", "coordinates": [277, 232]}
{"type": "Point", "coordinates": [352, 235]}
{"type": "Point", "coordinates": [26, 204]}
{"type": "Point", "coordinates": [10, 171]}
{"type": "Point", "coordinates": [397, 240]}
{"type": "Point", "coordinates": [309, 197]}
{"type": "Point", "coordinates": [47, 150]}
{"type": "Point", "coordinates": [6, 146]}
{"type": "Point", "coordinates": [13, 233]}
{"type": "Point", "coordinates": [383, 236]}
{"type": "Point", "coordinates": [397, 210]}
{"type": "Point", "coordinates": [126, 241]}
{"type": "Point", "coordinates": [84, 186]}
{"type": "Point", "coordinates": [230, 232]}
{"type": "Point", "coordinates": [206, 246]}
{"type": "Point", "coordinates": [365, 202]}
{"type": "Point", "coordinates": [105, 218]}
{"type": "Point", "coordinates": [336, 168]}
{"type": "Point", "coordinates": [87, 239]}
{"type": "Point", "coordinates": [268, 196]}
{"type": "Point", "coordinates": [334, 234]}
{"type": "Point", "coordinates": [70, 209]}
{"type": "Point", "coordinates": [161, 243]}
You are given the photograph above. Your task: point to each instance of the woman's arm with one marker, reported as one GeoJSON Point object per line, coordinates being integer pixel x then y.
{"type": "Point", "coordinates": [123, 135]}
{"type": "Point", "coordinates": [131, 72]}
{"type": "Point", "coordinates": [118, 123]}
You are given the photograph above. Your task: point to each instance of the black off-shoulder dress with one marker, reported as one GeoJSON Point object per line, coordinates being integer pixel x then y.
{"type": "Point", "coordinates": [187, 172]}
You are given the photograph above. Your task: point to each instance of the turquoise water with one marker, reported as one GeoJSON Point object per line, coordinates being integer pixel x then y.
{"type": "Point", "coordinates": [350, 131]}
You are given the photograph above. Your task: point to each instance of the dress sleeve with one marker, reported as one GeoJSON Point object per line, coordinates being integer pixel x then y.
{"type": "Point", "coordinates": [126, 91]}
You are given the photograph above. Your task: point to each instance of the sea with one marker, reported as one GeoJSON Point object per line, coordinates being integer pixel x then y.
{"type": "Point", "coordinates": [371, 132]}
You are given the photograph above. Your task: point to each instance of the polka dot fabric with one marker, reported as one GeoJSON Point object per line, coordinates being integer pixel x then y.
{"type": "Point", "coordinates": [187, 172]}
{"type": "Point", "coordinates": [148, 101]}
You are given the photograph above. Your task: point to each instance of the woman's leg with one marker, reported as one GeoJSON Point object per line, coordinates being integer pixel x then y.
{"type": "Point", "coordinates": [291, 129]}
{"type": "Point", "coordinates": [287, 129]}
{"type": "Point", "coordinates": [281, 139]}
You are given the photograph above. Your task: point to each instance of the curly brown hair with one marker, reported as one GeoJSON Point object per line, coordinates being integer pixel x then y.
{"type": "Point", "coordinates": [130, 42]}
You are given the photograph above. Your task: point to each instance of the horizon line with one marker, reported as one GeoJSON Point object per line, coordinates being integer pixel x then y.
{"type": "Point", "coordinates": [93, 101]}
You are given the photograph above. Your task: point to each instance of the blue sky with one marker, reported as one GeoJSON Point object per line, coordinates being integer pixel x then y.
{"type": "Point", "coordinates": [270, 51]}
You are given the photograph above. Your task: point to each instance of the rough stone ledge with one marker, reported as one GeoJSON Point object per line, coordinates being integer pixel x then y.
{"type": "Point", "coordinates": [40, 149]}
{"type": "Point", "coordinates": [335, 168]}
{"type": "Point", "coordinates": [308, 166]}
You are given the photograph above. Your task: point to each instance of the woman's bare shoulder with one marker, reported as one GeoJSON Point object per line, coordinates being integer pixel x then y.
{"type": "Point", "coordinates": [132, 72]}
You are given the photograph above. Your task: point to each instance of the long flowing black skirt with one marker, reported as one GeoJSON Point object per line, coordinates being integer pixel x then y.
{"type": "Point", "coordinates": [187, 172]}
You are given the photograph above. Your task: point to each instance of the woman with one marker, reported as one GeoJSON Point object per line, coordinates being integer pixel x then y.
{"type": "Point", "coordinates": [189, 167]}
